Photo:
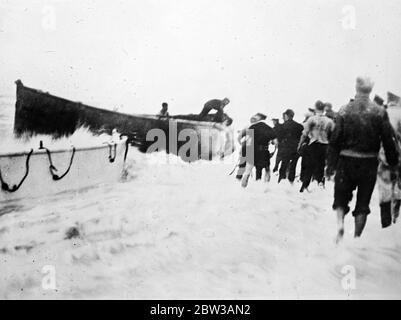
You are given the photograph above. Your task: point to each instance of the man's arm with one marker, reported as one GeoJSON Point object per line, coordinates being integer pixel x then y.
{"type": "Point", "coordinates": [389, 141]}
{"type": "Point", "coordinates": [206, 109]}
{"type": "Point", "coordinates": [334, 148]}
{"type": "Point", "coordinates": [242, 134]}
{"type": "Point", "coordinates": [305, 133]}
{"type": "Point", "coordinates": [330, 128]}
{"type": "Point", "coordinates": [301, 142]}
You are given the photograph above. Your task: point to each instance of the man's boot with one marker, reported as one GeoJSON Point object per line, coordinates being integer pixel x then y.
{"type": "Point", "coordinates": [304, 187]}
{"type": "Point", "coordinates": [340, 224]}
{"type": "Point", "coordinates": [267, 176]}
{"type": "Point", "coordinates": [322, 183]}
{"type": "Point", "coordinates": [245, 179]}
{"type": "Point", "coordinates": [385, 214]}
{"type": "Point", "coordinates": [360, 222]}
{"type": "Point", "coordinates": [240, 171]}
{"type": "Point", "coordinates": [396, 210]}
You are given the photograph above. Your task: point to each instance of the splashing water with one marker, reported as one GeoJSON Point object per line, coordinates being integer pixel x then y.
{"type": "Point", "coordinates": [188, 230]}
{"type": "Point", "coordinates": [81, 138]}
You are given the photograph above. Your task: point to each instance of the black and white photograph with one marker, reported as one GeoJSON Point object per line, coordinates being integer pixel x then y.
{"type": "Point", "coordinates": [220, 150]}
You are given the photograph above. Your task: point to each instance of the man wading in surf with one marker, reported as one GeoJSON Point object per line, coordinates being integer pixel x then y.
{"type": "Point", "coordinates": [260, 136]}
{"type": "Point", "coordinates": [290, 133]}
{"type": "Point", "coordinates": [361, 127]}
{"type": "Point", "coordinates": [317, 129]}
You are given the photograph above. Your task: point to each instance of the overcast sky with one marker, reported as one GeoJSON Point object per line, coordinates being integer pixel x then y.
{"type": "Point", "coordinates": [264, 55]}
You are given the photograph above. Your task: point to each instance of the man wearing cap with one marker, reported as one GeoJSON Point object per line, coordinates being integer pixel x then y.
{"type": "Point", "coordinates": [329, 112]}
{"type": "Point", "coordinates": [259, 136]}
{"type": "Point", "coordinates": [291, 132]}
{"type": "Point", "coordinates": [361, 128]}
{"type": "Point", "coordinates": [217, 105]}
{"type": "Point", "coordinates": [317, 129]}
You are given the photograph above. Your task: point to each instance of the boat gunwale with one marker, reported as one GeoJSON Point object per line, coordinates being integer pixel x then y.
{"type": "Point", "coordinates": [144, 116]}
{"type": "Point", "coordinates": [42, 151]}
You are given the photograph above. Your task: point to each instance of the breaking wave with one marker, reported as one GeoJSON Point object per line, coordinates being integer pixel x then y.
{"type": "Point", "coordinates": [176, 230]}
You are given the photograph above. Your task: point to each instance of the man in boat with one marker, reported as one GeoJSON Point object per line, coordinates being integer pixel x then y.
{"type": "Point", "coordinates": [317, 129]}
{"type": "Point", "coordinates": [361, 128]}
{"type": "Point", "coordinates": [258, 136]}
{"type": "Point", "coordinates": [164, 111]}
{"type": "Point", "coordinates": [217, 105]}
{"type": "Point", "coordinates": [291, 132]}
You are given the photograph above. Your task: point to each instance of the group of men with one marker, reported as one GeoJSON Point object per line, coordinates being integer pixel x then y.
{"type": "Point", "coordinates": [292, 140]}
{"type": "Point", "coordinates": [359, 145]}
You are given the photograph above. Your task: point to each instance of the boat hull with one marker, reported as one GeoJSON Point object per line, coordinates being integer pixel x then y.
{"type": "Point", "coordinates": [37, 112]}
{"type": "Point", "coordinates": [89, 166]}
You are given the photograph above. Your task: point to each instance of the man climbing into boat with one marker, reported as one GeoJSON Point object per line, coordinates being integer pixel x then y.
{"type": "Point", "coordinates": [214, 104]}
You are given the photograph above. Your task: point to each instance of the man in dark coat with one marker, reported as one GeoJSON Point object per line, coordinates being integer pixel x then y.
{"type": "Point", "coordinates": [361, 128]}
{"type": "Point", "coordinates": [290, 133]}
{"type": "Point", "coordinates": [259, 136]}
{"type": "Point", "coordinates": [217, 105]}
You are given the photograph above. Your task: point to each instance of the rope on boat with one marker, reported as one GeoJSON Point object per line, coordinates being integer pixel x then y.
{"type": "Point", "coordinates": [6, 187]}
{"type": "Point", "coordinates": [52, 168]}
{"type": "Point", "coordinates": [112, 149]}
{"type": "Point", "coordinates": [134, 138]}
{"type": "Point", "coordinates": [126, 145]}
